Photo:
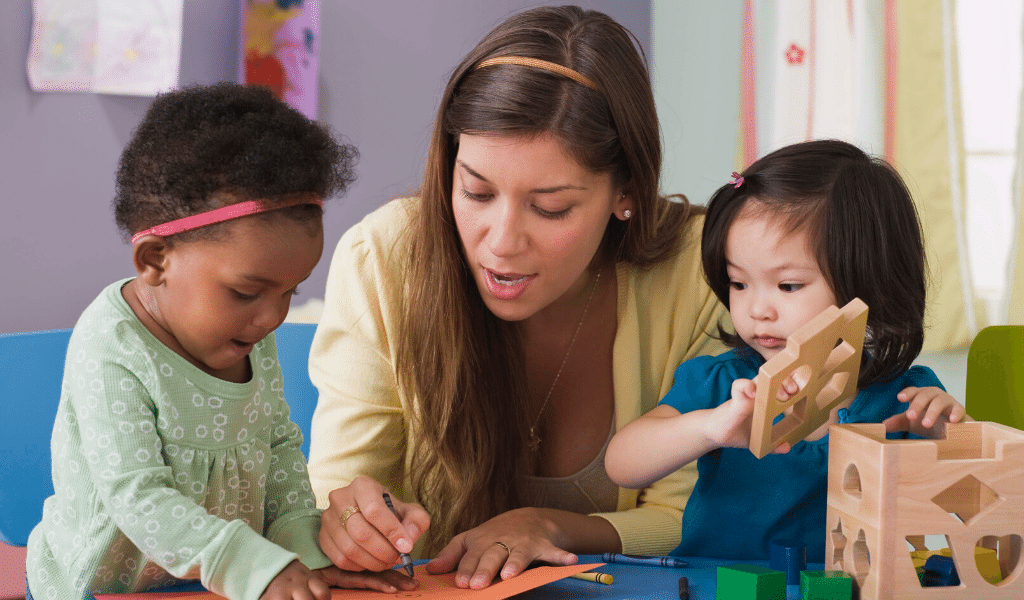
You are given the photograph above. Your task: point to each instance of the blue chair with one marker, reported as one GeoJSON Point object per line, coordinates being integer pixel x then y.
{"type": "Point", "coordinates": [31, 370]}
{"type": "Point", "coordinates": [293, 341]}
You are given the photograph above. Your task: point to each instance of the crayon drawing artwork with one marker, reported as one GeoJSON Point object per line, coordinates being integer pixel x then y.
{"type": "Point", "coordinates": [280, 48]}
{"type": "Point", "coordinates": [432, 587]}
{"type": "Point", "coordinates": [128, 47]}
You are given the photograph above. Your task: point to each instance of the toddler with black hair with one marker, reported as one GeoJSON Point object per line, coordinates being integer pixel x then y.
{"type": "Point", "coordinates": [806, 227]}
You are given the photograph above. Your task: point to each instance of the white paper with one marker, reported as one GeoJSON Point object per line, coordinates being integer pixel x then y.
{"type": "Point", "coordinates": [105, 46]}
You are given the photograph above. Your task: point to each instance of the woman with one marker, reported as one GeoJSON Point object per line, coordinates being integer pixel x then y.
{"type": "Point", "coordinates": [482, 342]}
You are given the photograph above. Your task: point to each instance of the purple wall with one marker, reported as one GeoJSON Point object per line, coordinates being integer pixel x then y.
{"type": "Point", "coordinates": [383, 66]}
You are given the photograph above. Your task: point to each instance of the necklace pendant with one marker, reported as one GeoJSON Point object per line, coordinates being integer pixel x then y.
{"type": "Point", "coordinates": [534, 443]}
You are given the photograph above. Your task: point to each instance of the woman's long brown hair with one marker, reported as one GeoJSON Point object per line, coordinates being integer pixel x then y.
{"type": "Point", "coordinates": [463, 366]}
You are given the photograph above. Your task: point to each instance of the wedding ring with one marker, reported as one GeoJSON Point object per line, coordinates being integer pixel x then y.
{"type": "Point", "coordinates": [348, 512]}
{"type": "Point", "coordinates": [505, 547]}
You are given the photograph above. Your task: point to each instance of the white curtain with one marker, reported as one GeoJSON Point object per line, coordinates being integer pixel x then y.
{"type": "Point", "coordinates": [880, 74]}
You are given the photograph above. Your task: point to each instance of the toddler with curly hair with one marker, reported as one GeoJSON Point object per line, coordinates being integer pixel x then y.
{"type": "Point", "coordinates": [174, 457]}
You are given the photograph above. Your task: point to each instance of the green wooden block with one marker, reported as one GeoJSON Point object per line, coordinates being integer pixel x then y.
{"type": "Point", "coordinates": [749, 582]}
{"type": "Point", "coordinates": [825, 585]}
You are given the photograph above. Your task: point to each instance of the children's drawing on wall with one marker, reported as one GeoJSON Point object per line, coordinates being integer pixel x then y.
{"type": "Point", "coordinates": [105, 46]}
{"type": "Point", "coordinates": [280, 48]}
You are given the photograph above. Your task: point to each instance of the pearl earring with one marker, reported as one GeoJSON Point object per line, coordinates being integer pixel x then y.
{"type": "Point", "coordinates": [627, 214]}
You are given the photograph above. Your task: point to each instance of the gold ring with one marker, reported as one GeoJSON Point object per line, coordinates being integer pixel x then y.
{"type": "Point", "coordinates": [505, 547]}
{"type": "Point", "coordinates": [348, 512]}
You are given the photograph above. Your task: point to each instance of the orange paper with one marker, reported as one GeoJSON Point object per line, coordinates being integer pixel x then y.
{"type": "Point", "coordinates": [441, 587]}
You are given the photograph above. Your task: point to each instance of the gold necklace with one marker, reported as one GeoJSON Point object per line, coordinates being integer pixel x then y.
{"type": "Point", "coordinates": [534, 442]}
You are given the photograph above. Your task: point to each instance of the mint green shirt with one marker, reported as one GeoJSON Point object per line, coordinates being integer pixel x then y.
{"type": "Point", "coordinates": [164, 473]}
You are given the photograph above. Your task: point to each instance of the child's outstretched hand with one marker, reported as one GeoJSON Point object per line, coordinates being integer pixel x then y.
{"type": "Point", "coordinates": [930, 409]}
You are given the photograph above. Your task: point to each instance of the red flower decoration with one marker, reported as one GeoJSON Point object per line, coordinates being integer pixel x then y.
{"type": "Point", "coordinates": [795, 55]}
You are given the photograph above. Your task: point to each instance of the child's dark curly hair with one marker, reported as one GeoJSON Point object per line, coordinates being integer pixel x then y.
{"type": "Point", "coordinates": [202, 147]}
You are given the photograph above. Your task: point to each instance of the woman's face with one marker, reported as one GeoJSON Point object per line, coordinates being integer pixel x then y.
{"type": "Point", "coordinates": [530, 218]}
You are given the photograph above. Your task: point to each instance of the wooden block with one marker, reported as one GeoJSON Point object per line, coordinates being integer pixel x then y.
{"type": "Point", "coordinates": [940, 571]}
{"type": "Point", "coordinates": [824, 357]}
{"type": "Point", "coordinates": [788, 556]}
{"type": "Point", "coordinates": [967, 487]}
{"type": "Point", "coordinates": [825, 585]}
{"type": "Point", "coordinates": [988, 564]}
{"type": "Point", "coordinates": [749, 582]}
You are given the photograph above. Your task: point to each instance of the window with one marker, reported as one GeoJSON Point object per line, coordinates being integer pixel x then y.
{"type": "Point", "coordinates": [988, 36]}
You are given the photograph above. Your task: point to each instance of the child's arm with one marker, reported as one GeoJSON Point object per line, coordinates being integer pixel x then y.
{"type": "Point", "coordinates": [119, 420]}
{"type": "Point", "coordinates": [291, 517]}
{"type": "Point", "coordinates": [930, 409]}
{"type": "Point", "coordinates": [664, 439]}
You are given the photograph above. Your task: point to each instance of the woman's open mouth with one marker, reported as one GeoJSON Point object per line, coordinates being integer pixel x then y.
{"type": "Point", "coordinates": [507, 286]}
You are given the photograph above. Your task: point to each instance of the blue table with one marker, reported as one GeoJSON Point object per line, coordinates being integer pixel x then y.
{"type": "Point", "coordinates": [631, 582]}
{"type": "Point", "coordinates": [653, 583]}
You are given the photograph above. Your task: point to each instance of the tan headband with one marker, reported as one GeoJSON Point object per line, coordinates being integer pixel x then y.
{"type": "Point", "coordinates": [540, 64]}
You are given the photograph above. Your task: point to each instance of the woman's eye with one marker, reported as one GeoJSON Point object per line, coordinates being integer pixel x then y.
{"type": "Point", "coordinates": [736, 285]}
{"type": "Point", "coordinates": [475, 197]}
{"type": "Point", "coordinates": [790, 287]}
{"type": "Point", "coordinates": [246, 297]}
{"type": "Point", "coordinates": [549, 214]}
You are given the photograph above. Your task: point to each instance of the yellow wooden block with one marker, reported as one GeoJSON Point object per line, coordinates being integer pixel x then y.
{"type": "Point", "coordinates": [988, 564]}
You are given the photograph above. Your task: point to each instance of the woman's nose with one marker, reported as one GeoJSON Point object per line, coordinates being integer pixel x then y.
{"type": "Point", "coordinates": [506, 235]}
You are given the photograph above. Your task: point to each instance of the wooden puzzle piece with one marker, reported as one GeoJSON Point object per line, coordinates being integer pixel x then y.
{"type": "Point", "coordinates": [825, 353]}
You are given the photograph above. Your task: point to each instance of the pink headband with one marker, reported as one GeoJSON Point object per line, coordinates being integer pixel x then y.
{"type": "Point", "coordinates": [737, 179]}
{"type": "Point", "coordinates": [217, 215]}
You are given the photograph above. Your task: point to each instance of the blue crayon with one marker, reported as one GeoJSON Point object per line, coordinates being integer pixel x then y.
{"type": "Point", "coordinates": [650, 561]}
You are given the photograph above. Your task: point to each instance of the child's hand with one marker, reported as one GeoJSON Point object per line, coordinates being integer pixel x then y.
{"type": "Point", "coordinates": [729, 425]}
{"type": "Point", "coordinates": [930, 409]}
{"type": "Point", "coordinates": [296, 582]}
{"type": "Point", "coordinates": [389, 581]}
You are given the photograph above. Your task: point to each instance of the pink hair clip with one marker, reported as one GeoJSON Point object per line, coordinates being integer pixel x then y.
{"type": "Point", "coordinates": [737, 179]}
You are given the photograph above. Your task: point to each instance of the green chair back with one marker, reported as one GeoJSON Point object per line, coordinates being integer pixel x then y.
{"type": "Point", "coordinates": [995, 376]}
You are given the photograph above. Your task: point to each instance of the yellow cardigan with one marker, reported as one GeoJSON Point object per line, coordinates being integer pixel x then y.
{"type": "Point", "coordinates": [359, 427]}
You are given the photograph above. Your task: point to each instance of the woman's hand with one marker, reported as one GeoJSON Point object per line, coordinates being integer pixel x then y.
{"type": "Point", "coordinates": [525, 535]}
{"type": "Point", "coordinates": [389, 581]}
{"type": "Point", "coordinates": [929, 411]}
{"type": "Point", "coordinates": [358, 531]}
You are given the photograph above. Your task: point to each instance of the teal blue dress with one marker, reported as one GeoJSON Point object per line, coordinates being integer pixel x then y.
{"type": "Point", "coordinates": [740, 504]}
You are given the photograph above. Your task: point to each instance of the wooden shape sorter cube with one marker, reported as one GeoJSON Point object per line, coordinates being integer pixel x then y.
{"type": "Point", "coordinates": [884, 494]}
{"type": "Point", "coordinates": [824, 357]}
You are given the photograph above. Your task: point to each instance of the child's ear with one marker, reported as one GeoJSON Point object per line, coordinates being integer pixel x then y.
{"type": "Point", "coordinates": [149, 255]}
